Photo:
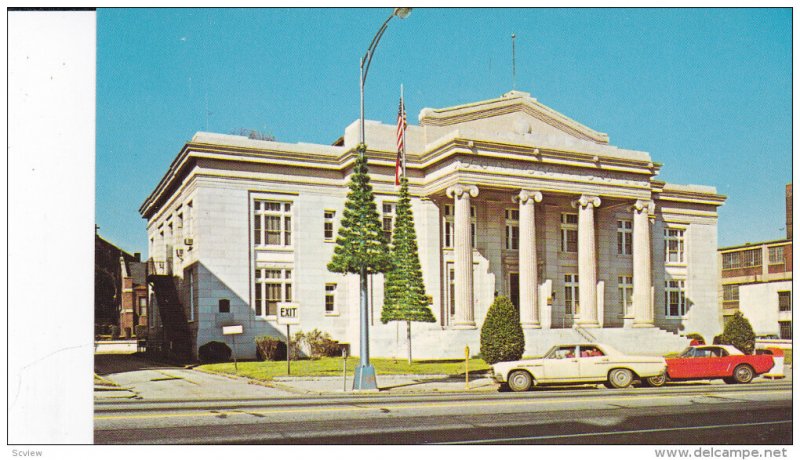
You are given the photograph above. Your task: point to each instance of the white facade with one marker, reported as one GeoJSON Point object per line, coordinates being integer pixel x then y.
{"type": "Point", "coordinates": [559, 217]}
{"type": "Point", "coordinates": [759, 304]}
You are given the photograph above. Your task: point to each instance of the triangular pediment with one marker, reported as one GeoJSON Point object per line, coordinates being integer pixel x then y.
{"type": "Point", "coordinates": [515, 113]}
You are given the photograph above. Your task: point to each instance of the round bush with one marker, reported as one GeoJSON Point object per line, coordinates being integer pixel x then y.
{"type": "Point", "coordinates": [214, 352]}
{"type": "Point", "coordinates": [502, 338]}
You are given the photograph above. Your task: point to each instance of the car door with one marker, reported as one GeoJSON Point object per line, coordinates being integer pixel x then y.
{"type": "Point", "coordinates": [561, 366]}
{"type": "Point", "coordinates": [593, 363]}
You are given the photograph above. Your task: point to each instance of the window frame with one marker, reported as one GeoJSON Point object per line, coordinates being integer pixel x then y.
{"type": "Point", "coordinates": [261, 281]}
{"type": "Point", "coordinates": [571, 293]}
{"type": "Point", "coordinates": [568, 228]}
{"type": "Point", "coordinates": [332, 294]}
{"type": "Point", "coordinates": [448, 227]}
{"type": "Point", "coordinates": [329, 225]}
{"type": "Point", "coordinates": [680, 242]}
{"type": "Point", "coordinates": [391, 216]}
{"type": "Point", "coordinates": [788, 306]}
{"type": "Point", "coordinates": [625, 291]}
{"type": "Point", "coordinates": [283, 216]}
{"type": "Point", "coordinates": [679, 289]}
{"type": "Point", "coordinates": [624, 237]}
{"type": "Point", "coordinates": [512, 224]}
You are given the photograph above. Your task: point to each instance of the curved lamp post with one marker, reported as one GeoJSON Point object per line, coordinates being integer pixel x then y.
{"type": "Point", "coordinates": [364, 377]}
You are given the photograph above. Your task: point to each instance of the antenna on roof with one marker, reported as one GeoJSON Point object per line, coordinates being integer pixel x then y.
{"type": "Point", "coordinates": [513, 61]}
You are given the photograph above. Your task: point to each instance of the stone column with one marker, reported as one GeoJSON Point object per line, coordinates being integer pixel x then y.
{"type": "Point", "coordinates": [587, 261]}
{"type": "Point", "coordinates": [465, 312]}
{"type": "Point", "coordinates": [642, 263]}
{"type": "Point", "coordinates": [528, 270]}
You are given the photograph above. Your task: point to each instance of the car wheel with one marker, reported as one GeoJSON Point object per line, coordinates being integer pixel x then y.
{"type": "Point", "coordinates": [657, 381]}
{"type": "Point", "coordinates": [620, 378]}
{"type": "Point", "coordinates": [520, 381]}
{"type": "Point", "coordinates": [743, 373]}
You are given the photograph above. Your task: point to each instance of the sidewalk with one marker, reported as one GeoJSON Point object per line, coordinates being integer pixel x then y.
{"type": "Point", "coordinates": [386, 384]}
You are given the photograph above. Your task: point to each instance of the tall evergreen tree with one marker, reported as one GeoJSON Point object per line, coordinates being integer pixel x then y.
{"type": "Point", "coordinates": [404, 289]}
{"type": "Point", "coordinates": [361, 249]}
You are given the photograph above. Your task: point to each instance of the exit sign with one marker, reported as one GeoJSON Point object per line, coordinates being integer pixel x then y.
{"type": "Point", "coordinates": [288, 313]}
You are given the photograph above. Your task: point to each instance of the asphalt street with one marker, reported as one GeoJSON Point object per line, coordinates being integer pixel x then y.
{"type": "Point", "coordinates": [758, 413]}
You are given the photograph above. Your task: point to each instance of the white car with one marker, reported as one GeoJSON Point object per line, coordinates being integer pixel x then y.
{"type": "Point", "coordinates": [581, 363]}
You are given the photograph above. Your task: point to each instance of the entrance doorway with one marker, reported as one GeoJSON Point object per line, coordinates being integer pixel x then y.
{"type": "Point", "coordinates": [513, 289]}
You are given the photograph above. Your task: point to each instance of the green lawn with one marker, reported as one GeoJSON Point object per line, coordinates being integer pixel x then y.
{"type": "Point", "coordinates": [267, 370]}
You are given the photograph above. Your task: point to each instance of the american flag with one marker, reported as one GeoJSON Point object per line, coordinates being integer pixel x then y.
{"type": "Point", "coordinates": [401, 135]}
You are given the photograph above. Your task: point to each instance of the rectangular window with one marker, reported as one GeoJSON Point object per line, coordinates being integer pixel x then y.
{"type": "Point", "coordinates": [388, 220]}
{"type": "Point", "coordinates": [569, 232]}
{"type": "Point", "coordinates": [674, 298]}
{"type": "Point", "coordinates": [142, 306]}
{"type": "Point", "coordinates": [512, 229]}
{"type": "Point", "coordinates": [449, 226]}
{"type": "Point", "coordinates": [224, 305]}
{"type": "Point", "coordinates": [330, 298]}
{"type": "Point", "coordinates": [673, 245]}
{"type": "Point", "coordinates": [776, 255]}
{"type": "Point", "coordinates": [743, 259]}
{"type": "Point", "coordinates": [624, 237]}
{"type": "Point", "coordinates": [786, 329]}
{"type": "Point", "coordinates": [328, 226]}
{"type": "Point", "coordinates": [730, 296]}
{"type": "Point", "coordinates": [571, 294]}
{"type": "Point", "coordinates": [625, 285]}
{"type": "Point", "coordinates": [451, 289]}
{"type": "Point", "coordinates": [784, 301]}
{"type": "Point", "coordinates": [272, 223]}
{"type": "Point", "coordinates": [272, 285]}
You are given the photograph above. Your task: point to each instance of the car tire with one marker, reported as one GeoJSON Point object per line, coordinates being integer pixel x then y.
{"type": "Point", "coordinates": [520, 381]}
{"type": "Point", "coordinates": [619, 378]}
{"type": "Point", "coordinates": [657, 381]}
{"type": "Point", "coordinates": [743, 374]}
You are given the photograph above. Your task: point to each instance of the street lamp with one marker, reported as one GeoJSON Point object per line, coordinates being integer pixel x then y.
{"type": "Point", "coordinates": [401, 13]}
{"type": "Point", "coordinates": [364, 376]}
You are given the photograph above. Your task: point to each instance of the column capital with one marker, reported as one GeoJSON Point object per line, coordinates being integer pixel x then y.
{"type": "Point", "coordinates": [459, 189]}
{"type": "Point", "coordinates": [524, 195]}
{"type": "Point", "coordinates": [586, 200]}
{"type": "Point", "coordinates": [644, 205]}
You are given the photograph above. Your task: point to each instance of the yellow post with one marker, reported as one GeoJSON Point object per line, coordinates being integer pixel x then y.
{"type": "Point", "coordinates": [466, 354]}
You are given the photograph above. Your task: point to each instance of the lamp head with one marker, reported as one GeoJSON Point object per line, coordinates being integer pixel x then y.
{"type": "Point", "coordinates": [402, 13]}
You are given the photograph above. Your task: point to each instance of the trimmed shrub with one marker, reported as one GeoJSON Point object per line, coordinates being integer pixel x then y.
{"type": "Point", "coordinates": [717, 339]}
{"type": "Point", "coordinates": [214, 351]}
{"type": "Point", "coordinates": [141, 331]}
{"type": "Point", "coordinates": [739, 333]}
{"type": "Point", "coordinates": [270, 348]}
{"type": "Point", "coordinates": [314, 344]}
{"type": "Point", "coordinates": [502, 338]}
{"type": "Point", "coordinates": [114, 332]}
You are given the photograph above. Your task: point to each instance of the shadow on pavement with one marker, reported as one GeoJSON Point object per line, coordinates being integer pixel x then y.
{"type": "Point", "coordinates": [105, 364]}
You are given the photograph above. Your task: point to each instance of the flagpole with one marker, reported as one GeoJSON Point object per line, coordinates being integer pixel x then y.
{"type": "Point", "coordinates": [405, 125]}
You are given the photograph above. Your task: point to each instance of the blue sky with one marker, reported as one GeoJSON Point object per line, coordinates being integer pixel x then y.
{"type": "Point", "coordinates": [707, 92]}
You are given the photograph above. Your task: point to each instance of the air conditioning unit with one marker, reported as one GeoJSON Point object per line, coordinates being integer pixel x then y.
{"type": "Point", "coordinates": [188, 241]}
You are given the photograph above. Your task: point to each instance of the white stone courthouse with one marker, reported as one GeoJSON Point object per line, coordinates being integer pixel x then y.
{"type": "Point", "coordinates": [509, 198]}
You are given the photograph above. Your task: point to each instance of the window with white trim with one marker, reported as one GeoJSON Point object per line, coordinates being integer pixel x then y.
{"type": "Point", "coordinates": [272, 223]}
{"type": "Point", "coordinates": [328, 217]}
{"type": "Point", "coordinates": [785, 329]}
{"type": "Point", "coordinates": [142, 306]}
{"type": "Point", "coordinates": [624, 237]}
{"type": "Point", "coordinates": [512, 229]}
{"type": "Point", "coordinates": [730, 296]}
{"type": "Point", "coordinates": [272, 285]}
{"type": "Point", "coordinates": [449, 226]}
{"type": "Point", "coordinates": [674, 245]}
{"type": "Point", "coordinates": [330, 298]}
{"type": "Point", "coordinates": [569, 232]}
{"type": "Point", "coordinates": [571, 293]}
{"type": "Point", "coordinates": [784, 301]}
{"type": "Point", "coordinates": [674, 298]}
{"type": "Point", "coordinates": [625, 286]}
{"type": "Point", "coordinates": [451, 289]}
{"type": "Point", "coordinates": [776, 255]}
{"type": "Point", "coordinates": [388, 220]}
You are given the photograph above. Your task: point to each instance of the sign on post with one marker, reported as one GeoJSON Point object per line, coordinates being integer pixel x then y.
{"type": "Point", "coordinates": [288, 314]}
{"type": "Point", "coordinates": [233, 331]}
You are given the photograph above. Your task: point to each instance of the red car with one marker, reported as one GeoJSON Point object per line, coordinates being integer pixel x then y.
{"type": "Point", "coordinates": [717, 362]}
